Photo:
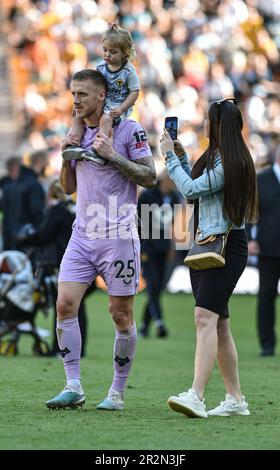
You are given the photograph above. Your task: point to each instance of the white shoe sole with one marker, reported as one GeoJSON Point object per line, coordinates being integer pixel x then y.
{"type": "Point", "coordinates": [80, 155]}
{"type": "Point", "coordinates": [186, 410]}
{"type": "Point", "coordinates": [243, 413]}
{"type": "Point", "coordinates": [76, 405]}
{"type": "Point", "coordinates": [104, 408]}
{"type": "Point", "coordinates": [98, 160]}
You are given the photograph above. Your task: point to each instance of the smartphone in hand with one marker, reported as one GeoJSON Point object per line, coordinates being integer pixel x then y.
{"type": "Point", "coordinates": [171, 124]}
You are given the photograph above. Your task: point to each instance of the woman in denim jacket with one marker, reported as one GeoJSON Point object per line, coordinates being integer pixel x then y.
{"type": "Point", "coordinates": [223, 184]}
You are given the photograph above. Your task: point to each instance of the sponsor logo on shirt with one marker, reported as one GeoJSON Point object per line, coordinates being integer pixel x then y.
{"type": "Point", "coordinates": [141, 139]}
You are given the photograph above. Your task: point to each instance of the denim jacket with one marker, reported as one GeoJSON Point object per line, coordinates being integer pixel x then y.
{"type": "Point", "coordinates": [212, 220]}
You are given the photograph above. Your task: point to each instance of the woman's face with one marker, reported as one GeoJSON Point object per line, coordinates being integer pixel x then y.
{"type": "Point", "coordinates": [206, 124]}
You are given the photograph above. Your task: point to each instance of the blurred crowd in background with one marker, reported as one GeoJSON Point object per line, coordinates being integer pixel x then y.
{"type": "Point", "coordinates": [189, 53]}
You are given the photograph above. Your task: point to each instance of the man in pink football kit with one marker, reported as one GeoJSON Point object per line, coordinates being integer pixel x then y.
{"type": "Point", "coordinates": [104, 239]}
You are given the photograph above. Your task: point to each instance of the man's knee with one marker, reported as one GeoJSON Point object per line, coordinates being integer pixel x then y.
{"type": "Point", "coordinates": [65, 307]}
{"type": "Point", "coordinates": [122, 313]}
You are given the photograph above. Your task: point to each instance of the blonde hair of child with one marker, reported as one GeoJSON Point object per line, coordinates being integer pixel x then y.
{"type": "Point", "coordinates": [121, 38]}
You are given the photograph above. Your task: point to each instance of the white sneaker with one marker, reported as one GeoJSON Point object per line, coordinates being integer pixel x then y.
{"type": "Point", "coordinates": [189, 404]}
{"type": "Point", "coordinates": [231, 407]}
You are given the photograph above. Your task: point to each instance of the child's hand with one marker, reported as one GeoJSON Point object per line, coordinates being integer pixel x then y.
{"type": "Point", "coordinates": [68, 141]}
{"type": "Point", "coordinates": [117, 112]}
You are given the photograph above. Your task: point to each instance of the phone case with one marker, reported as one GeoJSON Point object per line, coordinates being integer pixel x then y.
{"type": "Point", "coordinates": [171, 124]}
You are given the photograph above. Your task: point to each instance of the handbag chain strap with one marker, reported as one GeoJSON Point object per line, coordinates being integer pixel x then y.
{"type": "Point", "coordinates": [211, 238]}
{"type": "Point", "coordinates": [228, 231]}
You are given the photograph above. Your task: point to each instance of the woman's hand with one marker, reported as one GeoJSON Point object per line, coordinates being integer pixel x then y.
{"type": "Point", "coordinates": [166, 143]}
{"type": "Point", "coordinates": [179, 149]}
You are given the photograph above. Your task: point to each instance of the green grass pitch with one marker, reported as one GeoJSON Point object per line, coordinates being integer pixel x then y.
{"type": "Point", "coordinates": [162, 367]}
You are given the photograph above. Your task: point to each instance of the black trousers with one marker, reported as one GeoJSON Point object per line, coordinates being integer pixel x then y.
{"type": "Point", "coordinates": [269, 275]}
{"type": "Point", "coordinates": [153, 269]}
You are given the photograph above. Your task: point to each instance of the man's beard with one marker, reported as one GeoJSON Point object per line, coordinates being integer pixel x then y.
{"type": "Point", "coordinates": [85, 114]}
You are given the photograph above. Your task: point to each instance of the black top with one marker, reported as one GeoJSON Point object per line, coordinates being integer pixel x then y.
{"type": "Point", "coordinates": [31, 198]}
{"type": "Point", "coordinates": [55, 232]}
{"type": "Point", "coordinates": [268, 226]}
{"type": "Point", "coordinates": [23, 202]}
{"type": "Point", "coordinates": [159, 212]}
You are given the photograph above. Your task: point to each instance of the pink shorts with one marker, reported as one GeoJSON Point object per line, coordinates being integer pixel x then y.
{"type": "Point", "coordinates": [117, 261]}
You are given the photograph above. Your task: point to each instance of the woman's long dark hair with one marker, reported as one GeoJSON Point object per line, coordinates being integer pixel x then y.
{"type": "Point", "coordinates": [225, 137]}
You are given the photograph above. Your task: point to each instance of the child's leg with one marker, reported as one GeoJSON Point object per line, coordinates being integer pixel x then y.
{"type": "Point", "coordinates": [77, 129]}
{"type": "Point", "coordinates": [71, 148]}
{"type": "Point", "coordinates": [105, 124]}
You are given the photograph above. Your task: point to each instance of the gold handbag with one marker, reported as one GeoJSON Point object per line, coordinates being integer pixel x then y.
{"type": "Point", "coordinates": [208, 253]}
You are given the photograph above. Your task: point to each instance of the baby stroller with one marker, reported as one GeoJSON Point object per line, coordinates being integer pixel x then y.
{"type": "Point", "coordinates": [21, 296]}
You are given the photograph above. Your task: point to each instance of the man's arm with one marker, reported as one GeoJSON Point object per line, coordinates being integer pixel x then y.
{"type": "Point", "coordinates": [68, 178]}
{"type": "Point", "coordinates": [141, 171]}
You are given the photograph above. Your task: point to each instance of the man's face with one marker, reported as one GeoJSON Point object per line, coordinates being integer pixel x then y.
{"type": "Point", "coordinates": [87, 97]}
{"type": "Point", "coordinates": [14, 171]}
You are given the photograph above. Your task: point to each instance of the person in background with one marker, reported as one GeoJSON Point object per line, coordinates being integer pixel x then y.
{"type": "Point", "coordinates": [266, 245]}
{"type": "Point", "coordinates": [29, 200]}
{"type": "Point", "coordinates": [8, 200]}
{"type": "Point", "coordinates": [12, 166]}
{"type": "Point", "coordinates": [223, 180]}
{"type": "Point", "coordinates": [52, 237]}
{"type": "Point", "coordinates": [156, 213]}
{"type": "Point", "coordinates": [29, 194]}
